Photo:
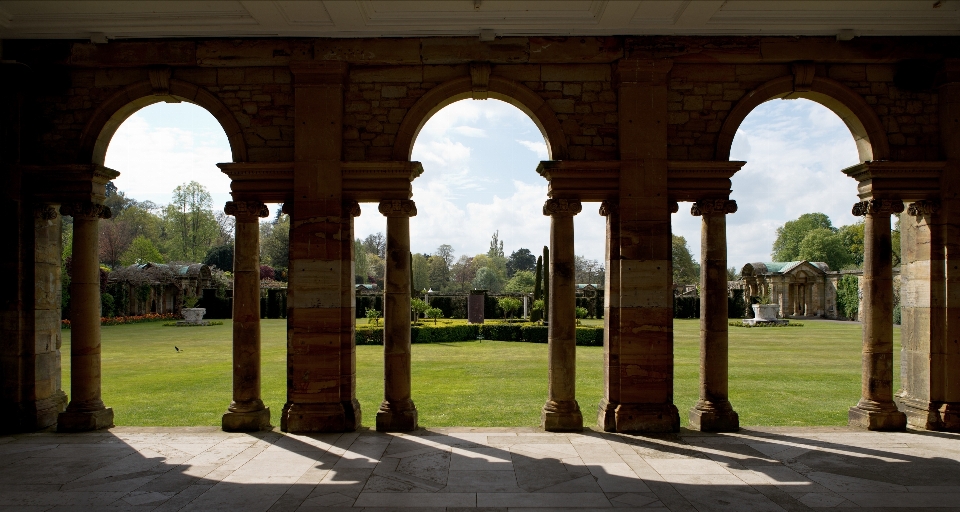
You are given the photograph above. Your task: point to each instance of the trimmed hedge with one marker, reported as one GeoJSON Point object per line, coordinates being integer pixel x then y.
{"type": "Point", "coordinates": [586, 336]}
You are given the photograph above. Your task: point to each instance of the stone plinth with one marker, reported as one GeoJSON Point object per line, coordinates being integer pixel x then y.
{"type": "Point", "coordinates": [765, 314]}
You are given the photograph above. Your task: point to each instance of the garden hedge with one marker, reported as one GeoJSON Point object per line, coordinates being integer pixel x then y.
{"type": "Point", "coordinates": [373, 335]}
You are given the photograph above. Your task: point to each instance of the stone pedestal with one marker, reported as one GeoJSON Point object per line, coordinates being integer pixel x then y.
{"type": "Point", "coordinates": [713, 412]}
{"type": "Point", "coordinates": [246, 412]}
{"type": "Point", "coordinates": [876, 409]}
{"type": "Point", "coordinates": [561, 411]}
{"type": "Point", "coordinates": [86, 410]}
{"type": "Point", "coordinates": [397, 412]}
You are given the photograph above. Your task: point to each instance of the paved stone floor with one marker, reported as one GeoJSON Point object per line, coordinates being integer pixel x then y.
{"type": "Point", "coordinates": [203, 469]}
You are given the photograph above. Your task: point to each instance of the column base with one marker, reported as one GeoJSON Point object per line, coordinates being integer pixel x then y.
{"type": "Point", "coordinates": [715, 417]}
{"type": "Point", "coordinates": [33, 415]}
{"type": "Point", "coordinates": [252, 421]}
{"type": "Point", "coordinates": [923, 414]}
{"type": "Point", "coordinates": [84, 421]}
{"type": "Point", "coordinates": [322, 417]}
{"type": "Point", "coordinates": [561, 416]}
{"type": "Point", "coordinates": [639, 418]}
{"type": "Point", "coordinates": [877, 417]}
{"type": "Point", "coordinates": [397, 417]}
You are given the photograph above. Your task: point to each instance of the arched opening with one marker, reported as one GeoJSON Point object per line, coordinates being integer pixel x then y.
{"type": "Point", "coordinates": [167, 248]}
{"type": "Point", "coordinates": [793, 242]}
{"type": "Point", "coordinates": [480, 225]}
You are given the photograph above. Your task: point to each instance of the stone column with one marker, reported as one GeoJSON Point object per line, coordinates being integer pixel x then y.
{"type": "Point", "coordinates": [561, 412]}
{"type": "Point", "coordinates": [85, 410]}
{"type": "Point", "coordinates": [713, 412]}
{"type": "Point", "coordinates": [348, 313]}
{"type": "Point", "coordinates": [607, 410]}
{"type": "Point", "coordinates": [876, 410]}
{"type": "Point", "coordinates": [246, 412]}
{"type": "Point", "coordinates": [397, 412]}
{"type": "Point", "coordinates": [949, 103]}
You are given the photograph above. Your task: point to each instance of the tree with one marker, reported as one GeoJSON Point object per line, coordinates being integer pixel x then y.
{"type": "Point", "coordinates": [275, 242]}
{"type": "Point", "coordinates": [487, 279]}
{"type": "Point", "coordinates": [421, 273]}
{"type": "Point", "coordinates": [685, 268]}
{"type": "Point", "coordinates": [587, 271]}
{"type": "Point", "coordinates": [508, 305]}
{"type": "Point", "coordinates": [361, 268]}
{"type": "Point", "coordinates": [376, 244]}
{"type": "Point", "coordinates": [221, 256]}
{"type": "Point", "coordinates": [852, 236]}
{"type": "Point", "coordinates": [822, 244]}
{"type": "Point", "coordinates": [439, 277]}
{"type": "Point", "coordinates": [496, 246]}
{"type": "Point", "coordinates": [463, 272]}
{"type": "Point", "coordinates": [521, 259]}
{"type": "Point", "coordinates": [115, 237]}
{"type": "Point", "coordinates": [193, 227]}
{"type": "Point", "coordinates": [141, 251]}
{"type": "Point", "coordinates": [433, 313]}
{"type": "Point", "coordinates": [789, 236]}
{"type": "Point", "coordinates": [445, 251]}
{"type": "Point", "coordinates": [523, 281]}
{"type": "Point", "coordinates": [377, 269]}
{"type": "Point", "coordinates": [418, 307]}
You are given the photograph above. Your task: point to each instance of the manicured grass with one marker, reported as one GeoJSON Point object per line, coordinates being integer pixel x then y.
{"type": "Point", "coordinates": [808, 375]}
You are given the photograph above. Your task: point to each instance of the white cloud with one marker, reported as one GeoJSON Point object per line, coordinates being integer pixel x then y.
{"type": "Point", "coordinates": [540, 148]}
{"type": "Point", "coordinates": [470, 131]}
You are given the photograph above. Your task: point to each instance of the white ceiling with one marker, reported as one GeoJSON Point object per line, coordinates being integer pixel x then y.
{"type": "Point", "coordinates": [90, 19]}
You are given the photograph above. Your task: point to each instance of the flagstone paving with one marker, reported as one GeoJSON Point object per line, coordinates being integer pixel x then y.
{"type": "Point", "coordinates": [489, 469]}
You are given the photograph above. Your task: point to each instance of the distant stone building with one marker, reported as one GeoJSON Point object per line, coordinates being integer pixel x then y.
{"type": "Point", "coordinates": [159, 287]}
{"type": "Point", "coordinates": [800, 288]}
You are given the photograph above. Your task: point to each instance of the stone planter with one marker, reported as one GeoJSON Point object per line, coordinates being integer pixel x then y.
{"type": "Point", "coordinates": [193, 316]}
{"type": "Point", "coordinates": [765, 314]}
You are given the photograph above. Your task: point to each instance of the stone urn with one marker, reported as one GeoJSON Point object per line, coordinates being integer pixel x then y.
{"type": "Point", "coordinates": [765, 312]}
{"type": "Point", "coordinates": [193, 315]}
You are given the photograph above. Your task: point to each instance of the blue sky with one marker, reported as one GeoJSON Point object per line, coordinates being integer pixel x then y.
{"type": "Point", "coordinates": [480, 160]}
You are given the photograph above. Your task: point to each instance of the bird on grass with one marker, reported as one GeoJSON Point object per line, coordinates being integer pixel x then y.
{"type": "Point", "coordinates": [176, 347]}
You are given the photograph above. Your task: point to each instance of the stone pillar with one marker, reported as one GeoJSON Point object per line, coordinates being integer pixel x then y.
{"type": "Point", "coordinates": [348, 314]}
{"type": "Point", "coordinates": [561, 412]}
{"type": "Point", "coordinates": [85, 410]}
{"type": "Point", "coordinates": [246, 411]}
{"type": "Point", "coordinates": [949, 103]}
{"type": "Point", "coordinates": [924, 374]}
{"type": "Point", "coordinates": [713, 412]}
{"type": "Point", "coordinates": [876, 410]}
{"type": "Point", "coordinates": [607, 410]}
{"type": "Point", "coordinates": [646, 280]}
{"type": "Point", "coordinates": [397, 412]}
{"type": "Point", "coordinates": [316, 323]}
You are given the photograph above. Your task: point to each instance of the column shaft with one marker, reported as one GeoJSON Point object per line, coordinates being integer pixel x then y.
{"type": "Point", "coordinates": [397, 411]}
{"type": "Point", "coordinates": [348, 348]}
{"type": "Point", "coordinates": [607, 409]}
{"type": "Point", "coordinates": [876, 410]}
{"type": "Point", "coordinates": [561, 411]}
{"type": "Point", "coordinates": [86, 410]}
{"type": "Point", "coordinates": [246, 412]}
{"type": "Point", "coordinates": [713, 412]}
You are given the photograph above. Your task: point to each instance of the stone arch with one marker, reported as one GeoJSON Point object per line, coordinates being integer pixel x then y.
{"type": "Point", "coordinates": [116, 109]}
{"type": "Point", "coordinates": [861, 120]}
{"type": "Point", "coordinates": [499, 88]}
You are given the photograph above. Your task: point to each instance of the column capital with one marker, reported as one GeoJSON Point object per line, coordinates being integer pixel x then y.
{"type": "Point", "coordinates": [398, 208]}
{"type": "Point", "coordinates": [877, 207]}
{"type": "Point", "coordinates": [88, 209]}
{"type": "Point", "coordinates": [713, 207]}
{"type": "Point", "coordinates": [924, 208]}
{"type": "Point", "coordinates": [562, 207]}
{"type": "Point", "coordinates": [42, 211]}
{"type": "Point", "coordinates": [674, 206]}
{"type": "Point", "coordinates": [609, 207]}
{"type": "Point", "coordinates": [351, 209]}
{"type": "Point", "coordinates": [246, 211]}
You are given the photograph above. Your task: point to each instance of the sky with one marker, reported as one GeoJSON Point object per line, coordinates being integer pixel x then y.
{"type": "Point", "coordinates": [480, 160]}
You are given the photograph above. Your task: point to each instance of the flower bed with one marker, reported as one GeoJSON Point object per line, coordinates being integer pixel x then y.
{"type": "Point", "coordinates": [134, 319]}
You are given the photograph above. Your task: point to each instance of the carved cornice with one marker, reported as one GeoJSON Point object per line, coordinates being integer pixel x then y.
{"type": "Point", "coordinates": [351, 209]}
{"type": "Point", "coordinates": [480, 79]}
{"type": "Point", "coordinates": [713, 207]}
{"type": "Point", "coordinates": [246, 211]}
{"type": "Point", "coordinates": [45, 211]}
{"type": "Point", "coordinates": [398, 208]}
{"type": "Point", "coordinates": [609, 207]}
{"type": "Point", "coordinates": [924, 208]}
{"type": "Point", "coordinates": [87, 210]}
{"type": "Point", "coordinates": [877, 207]}
{"type": "Point", "coordinates": [562, 207]}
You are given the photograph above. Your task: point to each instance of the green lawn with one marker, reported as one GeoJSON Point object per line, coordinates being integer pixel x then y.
{"type": "Point", "coordinates": [806, 375]}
